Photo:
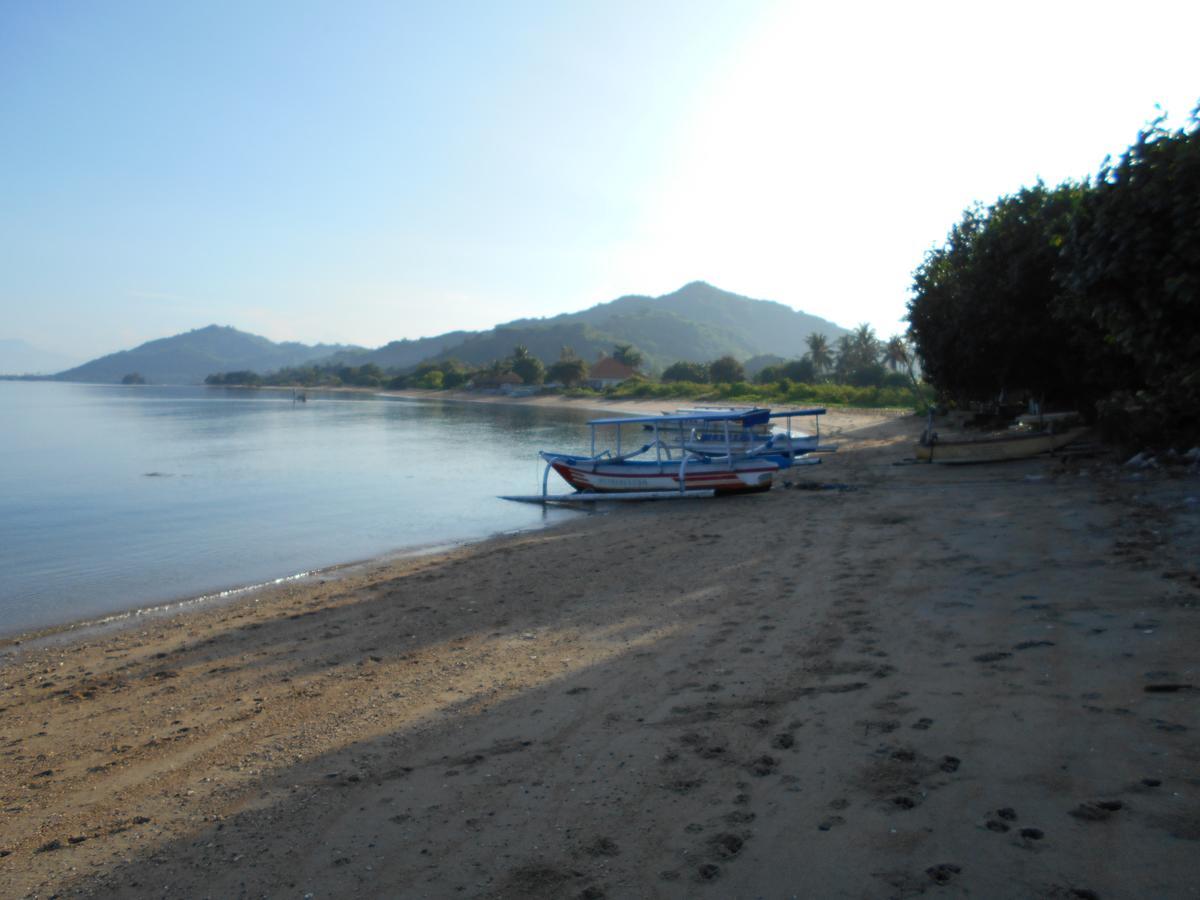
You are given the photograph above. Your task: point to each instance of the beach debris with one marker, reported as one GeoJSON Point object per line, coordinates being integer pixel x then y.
{"type": "Point", "coordinates": [1032, 834]}
{"type": "Point", "coordinates": [1008, 813]}
{"type": "Point", "coordinates": [1143, 460]}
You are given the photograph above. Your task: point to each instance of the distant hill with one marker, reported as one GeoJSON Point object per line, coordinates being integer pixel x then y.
{"type": "Point", "coordinates": [189, 358]}
{"type": "Point", "coordinates": [406, 354]}
{"type": "Point", "coordinates": [18, 357]}
{"type": "Point", "coordinates": [697, 323]}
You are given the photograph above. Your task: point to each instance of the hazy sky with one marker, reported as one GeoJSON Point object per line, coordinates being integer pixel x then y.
{"type": "Point", "coordinates": [365, 171]}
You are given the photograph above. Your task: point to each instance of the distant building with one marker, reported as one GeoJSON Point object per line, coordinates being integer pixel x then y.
{"type": "Point", "coordinates": [501, 384]}
{"type": "Point", "coordinates": [608, 372]}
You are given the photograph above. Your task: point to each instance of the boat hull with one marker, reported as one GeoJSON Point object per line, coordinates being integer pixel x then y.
{"type": "Point", "coordinates": [998, 449]}
{"type": "Point", "coordinates": [624, 476]}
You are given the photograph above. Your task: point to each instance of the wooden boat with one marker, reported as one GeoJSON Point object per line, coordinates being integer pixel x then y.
{"type": "Point", "coordinates": [665, 464]}
{"type": "Point", "coordinates": [690, 473]}
{"type": "Point", "coordinates": [995, 448]}
{"type": "Point", "coordinates": [757, 434]}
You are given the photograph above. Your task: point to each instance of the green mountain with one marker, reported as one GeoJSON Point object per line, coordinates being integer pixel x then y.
{"type": "Point", "coordinates": [697, 323]}
{"type": "Point", "coordinates": [189, 358]}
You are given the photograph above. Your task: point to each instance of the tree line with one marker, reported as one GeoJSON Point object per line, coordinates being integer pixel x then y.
{"type": "Point", "coordinates": [857, 359]}
{"type": "Point", "coordinates": [1084, 295]}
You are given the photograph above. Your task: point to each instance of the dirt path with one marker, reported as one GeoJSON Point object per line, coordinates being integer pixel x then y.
{"type": "Point", "coordinates": [976, 680]}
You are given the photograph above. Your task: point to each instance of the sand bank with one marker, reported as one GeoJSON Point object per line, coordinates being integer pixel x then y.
{"type": "Point", "coordinates": [977, 680]}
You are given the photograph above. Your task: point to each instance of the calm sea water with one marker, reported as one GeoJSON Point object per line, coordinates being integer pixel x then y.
{"type": "Point", "coordinates": [115, 498]}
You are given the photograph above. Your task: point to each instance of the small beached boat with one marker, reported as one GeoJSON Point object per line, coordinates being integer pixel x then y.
{"type": "Point", "coordinates": [993, 448]}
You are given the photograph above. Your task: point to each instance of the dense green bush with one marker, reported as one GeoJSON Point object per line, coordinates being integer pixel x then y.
{"type": "Point", "coordinates": [1085, 295]}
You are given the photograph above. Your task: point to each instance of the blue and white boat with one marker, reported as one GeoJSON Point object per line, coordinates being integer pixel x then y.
{"type": "Point", "coordinates": [760, 433]}
{"type": "Point", "coordinates": [710, 450]}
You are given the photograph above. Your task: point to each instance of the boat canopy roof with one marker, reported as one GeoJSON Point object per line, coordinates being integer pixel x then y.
{"type": "Point", "coordinates": [745, 416]}
{"type": "Point", "coordinates": [787, 414]}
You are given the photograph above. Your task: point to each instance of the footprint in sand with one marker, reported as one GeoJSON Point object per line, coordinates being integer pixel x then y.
{"type": "Point", "coordinates": [943, 873]}
{"type": "Point", "coordinates": [726, 845]}
{"type": "Point", "coordinates": [1096, 810]}
{"type": "Point", "coordinates": [994, 656]}
{"type": "Point", "coordinates": [763, 765]}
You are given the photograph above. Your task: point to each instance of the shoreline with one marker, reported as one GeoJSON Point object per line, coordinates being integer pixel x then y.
{"type": "Point", "coordinates": [980, 679]}
{"type": "Point", "coordinates": [111, 623]}
{"type": "Point", "coordinates": [249, 593]}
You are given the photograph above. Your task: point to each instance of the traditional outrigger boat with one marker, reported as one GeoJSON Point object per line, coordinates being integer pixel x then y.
{"type": "Point", "coordinates": [665, 467]}
{"type": "Point", "coordinates": [759, 434]}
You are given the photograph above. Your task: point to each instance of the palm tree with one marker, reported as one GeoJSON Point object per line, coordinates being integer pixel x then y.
{"type": "Point", "coordinates": [818, 352]}
{"type": "Point", "coordinates": [864, 340]}
{"type": "Point", "coordinates": [895, 353]}
{"type": "Point", "coordinates": [843, 357]}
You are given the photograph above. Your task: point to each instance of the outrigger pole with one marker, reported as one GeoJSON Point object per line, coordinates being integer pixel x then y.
{"type": "Point", "coordinates": [593, 497]}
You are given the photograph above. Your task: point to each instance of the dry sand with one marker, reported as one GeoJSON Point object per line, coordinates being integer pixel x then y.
{"type": "Point", "coordinates": [975, 681]}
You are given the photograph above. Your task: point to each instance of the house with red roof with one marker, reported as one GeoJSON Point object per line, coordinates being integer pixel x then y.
{"type": "Point", "coordinates": [608, 372]}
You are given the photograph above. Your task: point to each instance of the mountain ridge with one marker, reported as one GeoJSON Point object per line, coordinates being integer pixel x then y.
{"type": "Point", "coordinates": [189, 357]}
{"type": "Point", "coordinates": [697, 323]}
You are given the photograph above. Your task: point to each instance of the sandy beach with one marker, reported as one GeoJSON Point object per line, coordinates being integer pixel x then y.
{"type": "Point", "coordinates": [879, 680]}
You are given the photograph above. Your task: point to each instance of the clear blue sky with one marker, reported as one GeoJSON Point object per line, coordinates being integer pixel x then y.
{"type": "Point", "coordinates": [365, 171]}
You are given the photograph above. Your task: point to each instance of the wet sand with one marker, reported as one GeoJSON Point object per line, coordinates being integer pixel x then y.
{"type": "Point", "coordinates": [883, 681]}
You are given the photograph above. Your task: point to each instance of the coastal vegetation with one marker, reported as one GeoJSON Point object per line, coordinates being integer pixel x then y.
{"type": "Point", "coordinates": [1083, 296]}
{"type": "Point", "coordinates": [858, 370]}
